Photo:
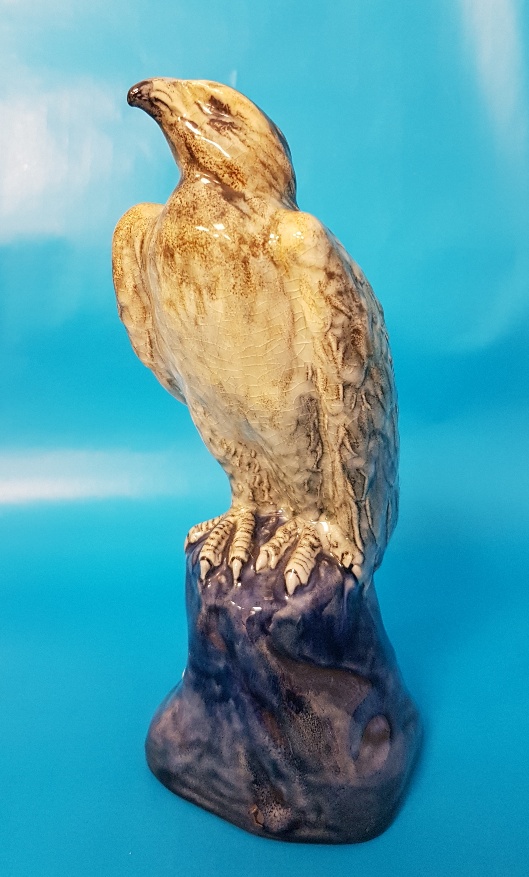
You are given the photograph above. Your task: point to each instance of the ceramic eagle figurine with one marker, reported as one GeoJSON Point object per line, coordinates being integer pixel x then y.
{"type": "Point", "coordinates": [253, 314]}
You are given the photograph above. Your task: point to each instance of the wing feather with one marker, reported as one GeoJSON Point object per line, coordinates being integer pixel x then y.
{"type": "Point", "coordinates": [354, 382]}
{"type": "Point", "coordinates": [129, 270]}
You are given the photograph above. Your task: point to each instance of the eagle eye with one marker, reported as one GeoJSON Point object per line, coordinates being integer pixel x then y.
{"type": "Point", "coordinates": [218, 106]}
{"type": "Point", "coordinates": [218, 115]}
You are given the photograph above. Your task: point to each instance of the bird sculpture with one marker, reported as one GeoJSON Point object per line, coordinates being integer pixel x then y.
{"type": "Point", "coordinates": [253, 314]}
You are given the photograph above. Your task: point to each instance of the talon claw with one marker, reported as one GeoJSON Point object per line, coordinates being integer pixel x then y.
{"type": "Point", "coordinates": [236, 566]}
{"type": "Point", "coordinates": [262, 561]}
{"type": "Point", "coordinates": [205, 567]}
{"type": "Point", "coordinates": [292, 581]}
{"type": "Point", "coordinates": [273, 560]}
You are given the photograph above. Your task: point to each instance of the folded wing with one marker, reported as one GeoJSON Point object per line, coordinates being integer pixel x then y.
{"type": "Point", "coordinates": [130, 258]}
{"type": "Point", "coordinates": [354, 383]}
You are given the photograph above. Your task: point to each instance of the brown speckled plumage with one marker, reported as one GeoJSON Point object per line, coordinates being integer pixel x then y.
{"type": "Point", "coordinates": [255, 316]}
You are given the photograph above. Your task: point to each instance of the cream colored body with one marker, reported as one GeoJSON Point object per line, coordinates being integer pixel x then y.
{"type": "Point", "coordinates": [255, 316]}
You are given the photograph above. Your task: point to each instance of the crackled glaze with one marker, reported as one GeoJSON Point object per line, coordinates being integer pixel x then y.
{"type": "Point", "coordinates": [253, 314]}
{"type": "Point", "coordinates": [291, 719]}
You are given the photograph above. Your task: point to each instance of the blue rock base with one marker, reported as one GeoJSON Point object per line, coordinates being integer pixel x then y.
{"type": "Point", "coordinates": [291, 720]}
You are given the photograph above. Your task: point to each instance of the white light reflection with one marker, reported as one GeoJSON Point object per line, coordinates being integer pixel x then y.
{"type": "Point", "coordinates": [34, 476]}
{"type": "Point", "coordinates": [494, 34]}
{"type": "Point", "coordinates": [56, 146]}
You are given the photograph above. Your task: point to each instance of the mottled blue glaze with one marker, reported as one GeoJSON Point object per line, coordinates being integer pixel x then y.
{"type": "Point", "coordinates": [291, 720]}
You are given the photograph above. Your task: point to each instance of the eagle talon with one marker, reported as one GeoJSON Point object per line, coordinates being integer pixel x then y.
{"type": "Point", "coordinates": [205, 567]}
{"type": "Point", "coordinates": [199, 530]}
{"type": "Point", "coordinates": [292, 581]}
{"type": "Point", "coordinates": [264, 561]}
{"type": "Point", "coordinates": [273, 550]}
{"type": "Point", "coordinates": [235, 525]}
{"type": "Point", "coordinates": [236, 566]}
{"type": "Point", "coordinates": [307, 539]}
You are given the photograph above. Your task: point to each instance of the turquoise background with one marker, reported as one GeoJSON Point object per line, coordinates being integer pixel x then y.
{"type": "Point", "coordinates": [409, 128]}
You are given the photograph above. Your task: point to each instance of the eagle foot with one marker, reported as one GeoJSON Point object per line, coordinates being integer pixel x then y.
{"type": "Point", "coordinates": [305, 539]}
{"type": "Point", "coordinates": [308, 539]}
{"type": "Point", "coordinates": [200, 530]}
{"type": "Point", "coordinates": [236, 525]}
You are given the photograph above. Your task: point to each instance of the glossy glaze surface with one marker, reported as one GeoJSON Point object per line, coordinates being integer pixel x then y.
{"type": "Point", "coordinates": [291, 719]}
{"type": "Point", "coordinates": [253, 314]}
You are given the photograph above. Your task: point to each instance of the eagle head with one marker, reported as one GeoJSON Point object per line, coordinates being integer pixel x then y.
{"type": "Point", "coordinates": [212, 129]}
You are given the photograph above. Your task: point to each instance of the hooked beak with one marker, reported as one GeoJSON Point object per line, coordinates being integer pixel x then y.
{"type": "Point", "coordinates": [141, 95]}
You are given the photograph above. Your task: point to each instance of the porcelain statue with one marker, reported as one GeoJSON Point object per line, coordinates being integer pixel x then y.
{"type": "Point", "coordinates": [291, 719]}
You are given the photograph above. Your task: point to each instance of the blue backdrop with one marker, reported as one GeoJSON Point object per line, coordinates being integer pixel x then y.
{"type": "Point", "coordinates": [409, 128]}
